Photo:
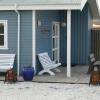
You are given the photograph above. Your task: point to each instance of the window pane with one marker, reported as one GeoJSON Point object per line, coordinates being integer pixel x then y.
{"type": "Point", "coordinates": [1, 28]}
{"type": "Point", "coordinates": [53, 43]}
{"type": "Point", "coordinates": [53, 55]}
{"type": "Point", "coordinates": [53, 30]}
{"type": "Point", "coordinates": [1, 40]}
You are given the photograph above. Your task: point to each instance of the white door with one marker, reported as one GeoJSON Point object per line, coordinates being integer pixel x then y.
{"type": "Point", "coordinates": [55, 41]}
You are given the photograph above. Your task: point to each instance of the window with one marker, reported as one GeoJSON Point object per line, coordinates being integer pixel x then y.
{"type": "Point", "coordinates": [3, 34]}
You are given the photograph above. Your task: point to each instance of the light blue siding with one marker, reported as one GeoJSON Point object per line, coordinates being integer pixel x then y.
{"type": "Point", "coordinates": [63, 38]}
{"type": "Point", "coordinates": [81, 36]}
{"type": "Point", "coordinates": [26, 35]}
{"type": "Point", "coordinates": [11, 16]}
{"type": "Point", "coordinates": [26, 38]}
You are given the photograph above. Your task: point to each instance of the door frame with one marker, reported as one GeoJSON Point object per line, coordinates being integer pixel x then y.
{"type": "Point", "coordinates": [56, 22]}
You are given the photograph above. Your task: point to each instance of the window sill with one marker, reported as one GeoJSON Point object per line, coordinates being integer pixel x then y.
{"type": "Point", "coordinates": [4, 48]}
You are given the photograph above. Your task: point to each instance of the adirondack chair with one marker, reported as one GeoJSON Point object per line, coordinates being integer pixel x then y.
{"type": "Point", "coordinates": [47, 64]}
{"type": "Point", "coordinates": [6, 62]}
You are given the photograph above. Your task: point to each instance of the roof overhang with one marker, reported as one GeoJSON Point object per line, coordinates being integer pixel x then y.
{"type": "Point", "coordinates": [83, 2]}
{"type": "Point", "coordinates": [64, 6]}
{"type": "Point", "coordinates": [71, 6]}
{"type": "Point", "coordinates": [41, 7]}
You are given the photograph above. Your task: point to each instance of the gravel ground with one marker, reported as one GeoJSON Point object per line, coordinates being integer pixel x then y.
{"type": "Point", "coordinates": [48, 91]}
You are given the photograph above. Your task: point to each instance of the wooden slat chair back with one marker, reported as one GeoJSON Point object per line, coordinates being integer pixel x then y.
{"type": "Point", "coordinates": [45, 60]}
{"type": "Point", "coordinates": [6, 62]}
{"type": "Point", "coordinates": [47, 64]}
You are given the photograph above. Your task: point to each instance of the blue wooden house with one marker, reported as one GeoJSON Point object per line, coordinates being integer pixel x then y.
{"type": "Point", "coordinates": [60, 27]}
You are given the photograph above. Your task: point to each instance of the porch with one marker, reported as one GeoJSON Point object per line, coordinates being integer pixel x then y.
{"type": "Point", "coordinates": [64, 35]}
{"type": "Point", "coordinates": [79, 75]}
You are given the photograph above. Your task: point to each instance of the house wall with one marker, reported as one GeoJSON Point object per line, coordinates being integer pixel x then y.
{"type": "Point", "coordinates": [12, 31]}
{"type": "Point", "coordinates": [44, 39]}
{"type": "Point", "coordinates": [63, 38]}
{"type": "Point", "coordinates": [26, 38]}
{"type": "Point", "coordinates": [80, 37]}
{"type": "Point", "coordinates": [81, 25]}
{"type": "Point", "coordinates": [26, 35]}
{"type": "Point", "coordinates": [81, 22]}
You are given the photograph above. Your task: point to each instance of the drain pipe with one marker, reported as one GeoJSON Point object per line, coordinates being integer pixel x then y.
{"type": "Point", "coordinates": [18, 41]}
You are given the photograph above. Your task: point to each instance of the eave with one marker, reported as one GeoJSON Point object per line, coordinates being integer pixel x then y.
{"type": "Point", "coordinates": [41, 7]}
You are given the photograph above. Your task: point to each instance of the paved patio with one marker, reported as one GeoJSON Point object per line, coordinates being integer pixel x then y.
{"type": "Point", "coordinates": [79, 75]}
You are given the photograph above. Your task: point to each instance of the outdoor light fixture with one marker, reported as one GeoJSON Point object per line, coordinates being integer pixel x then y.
{"type": "Point", "coordinates": [63, 24]}
{"type": "Point", "coordinates": [39, 23]}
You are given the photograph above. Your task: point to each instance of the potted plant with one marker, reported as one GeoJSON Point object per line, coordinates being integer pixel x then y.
{"type": "Point", "coordinates": [28, 73]}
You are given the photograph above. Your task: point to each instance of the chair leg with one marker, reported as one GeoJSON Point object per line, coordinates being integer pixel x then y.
{"type": "Point", "coordinates": [46, 71]}
{"type": "Point", "coordinates": [50, 72]}
{"type": "Point", "coordinates": [89, 69]}
{"type": "Point", "coordinates": [98, 67]}
{"type": "Point", "coordinates": [57, 70]}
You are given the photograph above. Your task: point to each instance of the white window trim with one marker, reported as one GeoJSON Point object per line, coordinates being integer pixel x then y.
{"type": "Point", "coordinates": [5, 22]}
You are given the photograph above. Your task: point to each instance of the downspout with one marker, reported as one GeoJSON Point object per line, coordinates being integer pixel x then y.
{"type": "Point", "coordinates": [18, 41]}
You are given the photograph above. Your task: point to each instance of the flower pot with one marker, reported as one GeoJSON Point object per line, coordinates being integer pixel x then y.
{"type": "Point", "coordinates": [28, 73]}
